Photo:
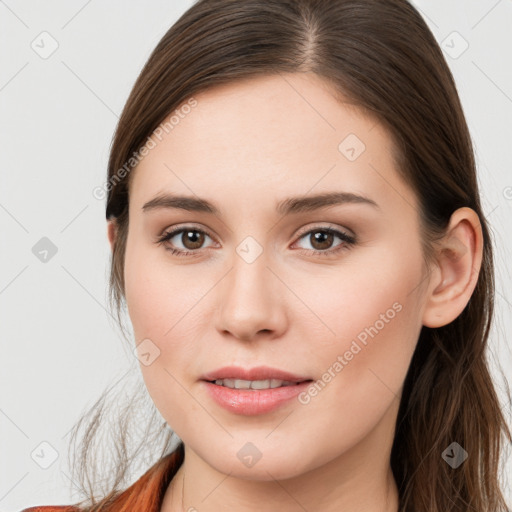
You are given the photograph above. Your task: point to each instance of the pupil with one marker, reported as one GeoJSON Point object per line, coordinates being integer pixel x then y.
{"type": "Point", "coordinates": [322, 237]}
{"type": "Point", "coordinates": [193, 237]}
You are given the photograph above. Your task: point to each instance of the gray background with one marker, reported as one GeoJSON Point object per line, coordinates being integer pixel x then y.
{"type": "Point", "coordinates": [60, 347]}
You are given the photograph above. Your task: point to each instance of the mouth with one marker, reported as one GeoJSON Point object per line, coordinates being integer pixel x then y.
{"type": "Point", "coordinates": [260, 377]}
{"type": "Point", "coordinates": [255, 385]}
{"type": "Point", "coordinates": [253, 397]}
{"type": "Point", "coordinates": [252, 391]}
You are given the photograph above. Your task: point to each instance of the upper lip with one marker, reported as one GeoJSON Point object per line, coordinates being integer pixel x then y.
{"type": "Point", "coordinates": [257, 373]}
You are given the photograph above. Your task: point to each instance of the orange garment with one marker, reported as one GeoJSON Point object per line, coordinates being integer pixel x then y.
{"type": "Point", "coordinates": [145, 495]}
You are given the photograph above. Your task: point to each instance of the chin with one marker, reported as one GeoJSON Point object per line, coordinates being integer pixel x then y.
{"type": "Point", "coordinates": [278, 466]}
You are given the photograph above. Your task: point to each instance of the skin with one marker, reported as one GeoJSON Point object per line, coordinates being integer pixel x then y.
{"type": "Point", "coordinates": [245, 147]}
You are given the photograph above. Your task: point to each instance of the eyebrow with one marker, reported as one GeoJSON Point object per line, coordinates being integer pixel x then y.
{"type": "Point", "coordinates": [288, 206]}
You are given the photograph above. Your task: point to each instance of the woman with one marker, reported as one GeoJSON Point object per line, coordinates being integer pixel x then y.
{"type": "Point", "coordinates": [297, 233]}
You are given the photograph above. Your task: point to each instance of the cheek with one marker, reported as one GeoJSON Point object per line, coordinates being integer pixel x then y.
{"type": "Point", "coordinates": [158, 294]}
{"type": "Point", "coordinates": [164, 309]}
{"type": "Point", "coordinates": [375, 314]}
{"type": "Point", "coordinates": [375, 289]}
{"type": "Point", "coordinates": [376, 317]}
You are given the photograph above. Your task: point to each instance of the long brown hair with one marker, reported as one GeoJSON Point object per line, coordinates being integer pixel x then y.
{"type": "Point", "coordinates": [382, 57]}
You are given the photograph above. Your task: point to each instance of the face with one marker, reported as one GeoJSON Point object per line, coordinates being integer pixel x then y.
{"type": "Point", "coordinates": [331, 293]}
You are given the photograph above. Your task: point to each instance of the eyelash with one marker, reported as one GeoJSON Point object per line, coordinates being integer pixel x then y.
{"type": "Point", "coordinates": [348, 241]}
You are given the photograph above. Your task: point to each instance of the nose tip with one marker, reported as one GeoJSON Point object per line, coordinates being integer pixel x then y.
{"type": "Point", "coordinates": [249, 307]}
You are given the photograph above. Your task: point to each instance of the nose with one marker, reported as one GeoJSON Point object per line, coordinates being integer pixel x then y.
{"type": "Point", "coordinates": [251, 301]}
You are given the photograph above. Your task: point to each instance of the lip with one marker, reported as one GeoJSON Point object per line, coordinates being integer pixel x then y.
{"type": "Point", "coordinates": [250, 402]}
{"type": "Point", "coordinates": [257, 373]}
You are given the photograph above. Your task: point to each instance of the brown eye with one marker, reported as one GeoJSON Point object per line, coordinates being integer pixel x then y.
{"type": "Point", "coordinates": [192, 239]}
{"type": "Point", "coordinates": [321, 240]}
{"type": "Point", "coordinates": [184, 240]}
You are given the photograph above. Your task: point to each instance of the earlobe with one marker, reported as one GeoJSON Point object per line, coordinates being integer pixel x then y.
{"type": "Point", "coordinates": [112, 232]}
{"type": "Point", "coordinates": [459, 258]}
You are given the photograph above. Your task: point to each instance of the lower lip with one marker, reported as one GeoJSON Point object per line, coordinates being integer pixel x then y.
{"type": "Point", "coordinates": [252, 401]}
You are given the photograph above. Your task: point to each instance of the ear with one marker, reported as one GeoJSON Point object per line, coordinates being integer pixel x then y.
{"type": "Point", "coordinates": [459, 257]}
{"type": "Point", "coordinates": [112, 233]}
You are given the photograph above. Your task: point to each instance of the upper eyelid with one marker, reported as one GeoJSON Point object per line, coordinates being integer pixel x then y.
{"type": "Point", "coordinates": [329, 226]}
{"type": "Point", "coordinates": [176, 230]}
{"type": "Point", "coordinates": [303, 231]}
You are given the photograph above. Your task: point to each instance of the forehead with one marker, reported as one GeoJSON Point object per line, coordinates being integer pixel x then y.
{"type": "Point", "coordinates": [270, 137]}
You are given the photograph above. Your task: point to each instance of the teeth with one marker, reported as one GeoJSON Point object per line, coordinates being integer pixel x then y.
{"type": "Point", "coordinates": [253, 384]}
